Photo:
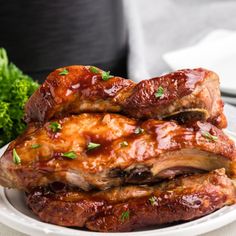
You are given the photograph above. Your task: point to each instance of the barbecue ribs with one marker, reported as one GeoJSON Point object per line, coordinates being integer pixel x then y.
{"type": "Point", "coordinates": [182, 95]}
{"type": "Point", "coordinates": [133, 207]}
{"type": "Point", "coordinates": [105, 153]}
{"type": "Point", "coordinates": [104, 150]}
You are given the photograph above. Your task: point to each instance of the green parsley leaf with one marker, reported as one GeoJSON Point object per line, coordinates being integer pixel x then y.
{"type": "Point", "coordinates": [15, 89]}
{"type": "Point", "coordinates": [159, 93]}
{"type": "Point", "coordinates": [16, 158]}
{"type": "Point", "coordinates": [55, 127]}
{"type": "Point", "coordinates": [138, 130]}
{"type": "Point", "coordinates": [124, 144]}
{"type": "Point", "coordinates": [209, 136]}
{"type": "Point", "coordinates": [125, 215]}
{"type": "Point", "coordinates": [64, 72]}
{"type": "Point", "coordinates": [93, 69]}
{"type": "Point", "coordinates": [34, 146]}
{"type": "Point", "coordinates": [106, 75]}
{"type": "Point", "coordinates": [93, 145]}
{"type": "Point", "coordinates": [152, 200]}
{"type": "Point", "coordinates": [71, 155]}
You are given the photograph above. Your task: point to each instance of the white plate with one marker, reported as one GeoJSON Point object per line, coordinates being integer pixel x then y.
{"type": "Point", "coordinates": [15, 214]}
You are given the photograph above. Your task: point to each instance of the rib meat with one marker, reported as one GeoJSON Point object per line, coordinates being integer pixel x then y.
{"type": "Point", "coordinates": [183, 95]}
{"type": "Point", "coordinates": [133, 207]}
{"type": "Point", "coordinates": [130, 151]}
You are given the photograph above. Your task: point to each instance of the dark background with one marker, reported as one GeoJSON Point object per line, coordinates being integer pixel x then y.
{"type": "Point", "coordinates": [40, 36]}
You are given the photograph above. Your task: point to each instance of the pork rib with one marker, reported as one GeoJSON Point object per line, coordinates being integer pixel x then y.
{"type": "Point", "coordinates": [133, 207]}
{"type": "Point", "coordinates": [183, 95]}
{"type": "Point", "coordinates": [104, 150]}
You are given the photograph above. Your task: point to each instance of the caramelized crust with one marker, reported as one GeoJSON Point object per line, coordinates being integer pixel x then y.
{"type": "Point", "coordinates": [130, 151]}
{"type": "Point", "coordinates": [75, 145]}
{"type": "Point", "coordinates": [134, 207]}
{"type": "Point", "coordinates": [187, 95]}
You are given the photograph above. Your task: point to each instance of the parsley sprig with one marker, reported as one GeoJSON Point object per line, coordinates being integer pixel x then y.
{"type": "Point", "coordinates": [153, 200]}
{"type": "Point", "coordinates": [209, 136]}
{"type": "Point", "coordinates": [106, 75]}
{"type": "Point", "coordinates": [93, 69]}
{"type": "Point", "coordinates": [71, 155]}
{"type": "Point", "coordinates": [64, 72]}
{"type": "Point", "coordinates": [15, 89]}
{"type": "Point", "coordinates": [93, 145]}
{"type": "Point", "coordinates": [160, 92]}
{"type": "Point", "coordinates": [124, 144]}
{"type": "Point", "coordinates": [138, 130]}
{"type": "Point", "coordinates": [125, 216]}
{"type": "Point", "coordinates": [16, 157]}
{"type": "Point", "coordinates": [34, 146]}
{"type": "Point", "coordinates": [55, 127]}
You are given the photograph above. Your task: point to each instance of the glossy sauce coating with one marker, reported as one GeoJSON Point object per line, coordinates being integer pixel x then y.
{"type": "Point", "coordinates": [134, 207]}
{"type": "Point", "coordinates": [159, 146]}
{"type": "Point", "coordinates": [82, 90]}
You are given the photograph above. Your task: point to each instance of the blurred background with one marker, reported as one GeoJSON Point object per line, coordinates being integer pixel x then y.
{"type": "Point", "coordinates": [40, 36]}
{"type": "Point", "coordinates": [131, 38]}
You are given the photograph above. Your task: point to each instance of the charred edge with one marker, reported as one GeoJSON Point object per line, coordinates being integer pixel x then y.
{"type": "Point", "coordinates": [141, 175]}
{"type": "Point", "coordinates": [188, 116]}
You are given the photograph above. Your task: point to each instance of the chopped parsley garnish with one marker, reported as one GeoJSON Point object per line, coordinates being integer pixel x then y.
{"type": "Point", "coordinates": [93, 145]}
{"type": "Point", "coordinates": [124, 144]}
{"type": "Point", "coordinates": [34, 146]}
{"type": "Point", "coordinates": [55, 127]}
{"type": "Point", "coordinates": [106, 75]}
{"type": "Point", "coordinates": [152, 200]}
{"type": "Point", "coordinates": [93, 69]}
{"type": "Point", "coordinates": [71, 155]}
{"type": "Point", "coordinates": [125, 216]}
{"type": "Point", "coordinates": [209, 136]}
{"type": "Point", "coordinates": [16, 158]}
{"type": "Point", "coordinates": [138, 130]}
{"type": "Point", "coordinates": [64, 72]}
{"type": "Point", "coordinates": [159, 93]}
